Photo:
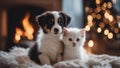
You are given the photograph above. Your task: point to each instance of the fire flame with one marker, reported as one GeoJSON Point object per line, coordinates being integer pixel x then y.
{"type": "Point", "coordinates": [29, 30]}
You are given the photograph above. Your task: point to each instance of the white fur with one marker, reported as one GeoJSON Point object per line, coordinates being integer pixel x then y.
{"type": "Point", "coordinates": [50, 51]}
{"type": "Point", "coordinates": [13, 60]}
{"type": "Point", "coordinates": [78, 51]}
{"type": "Point", "coordinates": [56, 16]}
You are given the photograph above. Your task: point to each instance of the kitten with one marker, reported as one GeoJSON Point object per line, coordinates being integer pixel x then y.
{"type": "Point", "coordinates": [73, 40]}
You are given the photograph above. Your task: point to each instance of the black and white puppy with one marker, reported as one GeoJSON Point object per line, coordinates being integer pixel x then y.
{"type": "Point", "coordinates": [47, 49]}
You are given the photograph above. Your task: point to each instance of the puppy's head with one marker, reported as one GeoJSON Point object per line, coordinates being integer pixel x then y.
{"type": "Point", "coordinates": [53, 21]}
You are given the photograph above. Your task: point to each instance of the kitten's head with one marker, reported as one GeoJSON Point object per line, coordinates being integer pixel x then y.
{"type": "Point", "coordinates": [74, 37]}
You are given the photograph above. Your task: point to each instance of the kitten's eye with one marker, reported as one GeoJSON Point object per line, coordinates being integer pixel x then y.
{"type": "Point", "coordinates": [70, 39]}
{"type": "Point", "coordinates": [77, 39]}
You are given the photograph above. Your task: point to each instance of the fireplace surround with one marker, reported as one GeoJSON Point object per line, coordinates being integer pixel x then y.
{"type": "Point", "coordinates": [12, 13]}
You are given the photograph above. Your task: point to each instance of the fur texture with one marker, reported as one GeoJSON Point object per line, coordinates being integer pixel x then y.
{"type": "Point", "coordinates": [51, 28]}
{"type": "Point", "coordinates": [18, 58]}
{"type": "Point", "coordinates": [74, 40]}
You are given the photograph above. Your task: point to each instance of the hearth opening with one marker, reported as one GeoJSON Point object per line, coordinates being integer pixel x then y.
{"type": "Point", "coordinates": [21, 25]}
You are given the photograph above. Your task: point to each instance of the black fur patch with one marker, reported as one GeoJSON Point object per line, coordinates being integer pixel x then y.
{"type": "Point", "coordinates": [65, 19]}
{"type": "Point", "coordinates": [47, 21]}
{"type": "Point", "coordinates": [33, 54]}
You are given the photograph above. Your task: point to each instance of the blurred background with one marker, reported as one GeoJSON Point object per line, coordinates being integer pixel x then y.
{"type": "Point", "coordinates": [100, 18]}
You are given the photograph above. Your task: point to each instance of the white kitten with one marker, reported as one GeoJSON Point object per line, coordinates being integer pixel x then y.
{"type": "Point", "coordinates": [74, 40]}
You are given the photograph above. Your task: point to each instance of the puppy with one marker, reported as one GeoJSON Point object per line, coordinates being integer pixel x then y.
{"type": "Point", "coordinates": [48, 47]}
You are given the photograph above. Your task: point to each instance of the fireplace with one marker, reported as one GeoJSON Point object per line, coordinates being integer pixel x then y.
{"type": "Point", "coordinates": [18, 26]}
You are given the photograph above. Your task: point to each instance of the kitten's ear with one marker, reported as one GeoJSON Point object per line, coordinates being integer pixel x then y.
{"type": "Point", "coordinates": [65, 31]}
{"type": "Point", "coordinates": [82, 32]}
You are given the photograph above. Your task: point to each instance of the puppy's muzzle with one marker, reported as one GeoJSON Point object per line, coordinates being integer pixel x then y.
{"type": "Point", "coordinates": [56, 31]}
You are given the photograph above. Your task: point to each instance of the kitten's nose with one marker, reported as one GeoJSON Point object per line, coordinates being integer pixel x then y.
{"type": "Point", "coordinates": [74, 44]}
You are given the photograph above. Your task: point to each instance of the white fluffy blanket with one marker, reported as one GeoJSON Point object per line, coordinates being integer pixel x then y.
{"type": "Point", "coordinates": [17, 58]}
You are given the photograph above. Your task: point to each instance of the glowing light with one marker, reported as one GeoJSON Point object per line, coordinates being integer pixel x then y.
{"type": "Point", "coordinates": [98, 16]}
{"type": "Point", "coordinates": [89, 18]}
{"type": "Point", "coordinates": [105, 5]}
{"type": "Point", "coordinates": [18, 35]}
{"type": "Point", "coordinates": [98, 9]}
{"type": "Point", "coordinates": [93, 15]}
{"type": "Point", "coordinates": [27, 26]}
{"type": "Point", "coordinates": [87, 9]}
{"type": "Point", "coordinates": [119, 24]}
{"type": "Point", "coordinates": [110, 35]}
{"type": "Point", "coordinates": [110, 17]}
{"type": "Point", "coordinates": [28, 30]}
{"type": "Point", "coordinates": [102, 25]}
{"type": "Point", "coordinates": [116, 30]}
{"type": "Point", "coordinates": [106, 14]}
{"type": "Point", "coordinates": [90, 24]}
{"type": "Point", "coordinates": [99, 30]}
{"type": "Point", "coordinates": [90, 43]}
{"type": "Point", "coordinates": [97, 1]}
{"type": "Point", "coordinates": [106, 31]}
{"type": "Point", "coordinates": [17, 38]}
{"type": "Point", "coordinates": [109, 5]}
{"type": "Point", "coordinates": [87, 28]}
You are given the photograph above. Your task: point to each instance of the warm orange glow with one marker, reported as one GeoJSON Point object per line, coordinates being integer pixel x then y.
{"type": "Point", "coordinates": [110, 35]}
{"type": "Point", "coordinates": [90, 24]}
{"type": "Point", "coordinates": [106, 14]}
{"type": "Point", "coordinates": [17, 38]}
{"type": "Point", "coordinates": [119, 24]}
{"type": "Point", "coordinates": [90, 43]}
{"type": "Point", "coordinates": [109, 5]}
{"type": "Point", "coordinates": [94, 15]}
{"type": "Point", "coordinates": [106, 31]}
{"type": "Point", "coordinates": [87, 28]}
{"type": "Point", "coordinates": [89, 18]}
{"type": "Point", "coordinates": [98, 16]}
{"type": "Point", "coordinates": [27, 26]}
{"type": "Point", "coordinates": [110, 18]}
{"type": "Point", "coordinates": [97, 1]}
{"type": "Point", "coordinates": [99, 30]}
{"type": "Point", "coordinates": [116, 30]}
{"type": "Point", "coordinates": [18, 34]}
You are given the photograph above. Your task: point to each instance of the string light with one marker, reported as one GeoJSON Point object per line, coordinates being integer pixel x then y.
{"type": "Point", "coordinates": [106, 31]}
{"type": "Point", "coordinates": [90, 43]}
{"type": "Point", "coordinates": [110, 17]}
{"type": "Point", "coordinates": [97, 1]}
{"type": "Point", "coordinates": [87, 28]}
{"type": "Point", "coordinates": [89, 18]}
{"type": "Point", "coordinates": [110, 35]}
{"type": "Point", "coordinates": [99, 30]}
{"type": "Point", "coordinates": [109, 5]}
{"type": "Point", "coordinates": [119, 24]}
{"type": "Point", "coordinates": [116, 30]}
{"type": "Point", "coordinates": [102, 17]}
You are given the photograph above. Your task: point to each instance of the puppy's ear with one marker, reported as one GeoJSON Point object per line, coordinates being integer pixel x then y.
{"type": "Point", "coordinates": [41, 20]}
{"type": "Point", "coordinates": [66, 18]}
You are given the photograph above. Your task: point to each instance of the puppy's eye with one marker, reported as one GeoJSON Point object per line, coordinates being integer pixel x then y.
{"type": "Point", "coordinates": [77, 39]}
{"type": "Point", "coordinates": [70, 39]}
{"type": "Point", "coordinates": [60, 22]}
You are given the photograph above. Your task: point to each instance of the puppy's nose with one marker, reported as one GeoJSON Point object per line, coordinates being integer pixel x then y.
{"type": "Point", "coordinates": [56, 30]}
